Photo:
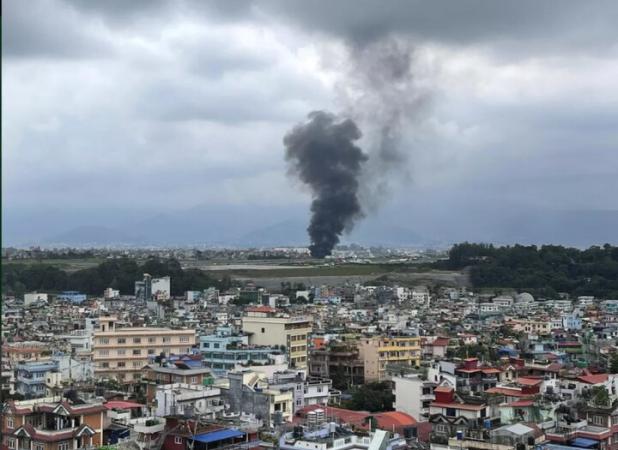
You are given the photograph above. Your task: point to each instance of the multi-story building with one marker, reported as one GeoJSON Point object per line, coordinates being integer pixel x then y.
{"type": "Point", "coordinates": [379, 351]}
{"type": "Point", "coordinates": [413, 395]}
{"type": "Point", "coordinates": [180, 399]}
{"type": "Point", "coordinates": [155, 375]}
{"type": "Point", "coordinates": [249, 393]}
{"type": "Point", "coordinates": [307, 391]}
{"type": "Point", "coordinates": [340, 362]}
{"type": "Point", "coordinates": [52, 424]}
{"type": "Point", "coordinates": [121, 353]}
{"type": "Point", "coordinates": [267, 327]}
{"type": "Point", "coordinates": [35, 377]}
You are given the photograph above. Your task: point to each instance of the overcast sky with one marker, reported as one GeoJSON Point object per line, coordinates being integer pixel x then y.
{"type": "Point", "coordinates": [156, 107]}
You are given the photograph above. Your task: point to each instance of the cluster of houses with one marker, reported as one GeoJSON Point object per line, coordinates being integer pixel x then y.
{"type": "Point", "coordinates": [249, 368]}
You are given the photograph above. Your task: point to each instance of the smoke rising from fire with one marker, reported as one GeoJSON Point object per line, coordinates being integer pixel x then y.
{"type": "Point", "coordinates": [381, 93]}
{"type": "Point", "coordinates": [322, 153]}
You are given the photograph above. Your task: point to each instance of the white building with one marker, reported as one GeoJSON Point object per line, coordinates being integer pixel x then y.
{"type": "Point", "coordinates": [110, 293]}
{"type": "Point", "coordinates": [161, 288]}
{"type": "Point", "coordinates": [413, 395]}
{"type": "Point", "coordinates": [34, 297]}
{"type": "Point", "coordinates": [188, 399]}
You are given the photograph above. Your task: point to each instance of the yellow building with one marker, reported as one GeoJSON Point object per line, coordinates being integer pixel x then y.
{"type": "Point", "coordinates": [378, 351]}
{"type": "Point", "coordinates": [121, 353]}
{"type": "Point", "coordinates": [266, 327]}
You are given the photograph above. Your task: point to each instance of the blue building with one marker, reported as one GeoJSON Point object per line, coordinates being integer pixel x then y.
{"type": "Point", "coordinates": [31, 380]}
{"type": "Point", "coordinates": [71, 296]}
{"type": "Point", "coordinates": [224, 350]}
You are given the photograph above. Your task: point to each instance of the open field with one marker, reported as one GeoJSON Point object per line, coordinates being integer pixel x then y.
{"type": "Point", "coordinates": [69, 265]}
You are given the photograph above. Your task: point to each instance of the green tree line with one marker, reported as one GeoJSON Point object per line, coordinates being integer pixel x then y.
{"type": "Point", "coordinates": [546, 270]}
{"type": "Point", "coordinates": [119, 274]}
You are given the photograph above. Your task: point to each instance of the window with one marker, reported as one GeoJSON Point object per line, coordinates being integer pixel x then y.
{"type": "Point", "coordinates": [121, 364]}
{"type": "Point", "coordinates": [151, 351]}
{"type": "Point", "coordinates": [166, 339]}
{"type": "Point", "coordinates": [177, 440]}
{"type": "Point", "coordinates": [38, 447]}
{"type": "Point", "coordinates": [105, 365]}
{"type": "Point", "coordinates": [216, 345]}
{"type": "Point", "coordinates": [598, 420]}
{"type": "Point", "coordinates": [451, 412]}
{"type": "Point", "coordinates": [152, 340]}
{"type": "Point", "coordinates": [103, 352]}
{"type": "Point", "coordinates": [122, 341]}
{"type": "Point", "coordinates": [137, 376]}
{"type": "Point", "coordinates": [193, 380]}
{"type": "Point", "coordinates": [137, 352]}
{"type": "Point", "coordinates": [121, 352]}
{"type": "Point", "coordinates": [9, 422]}
{"type": "Point", "coordinates": [137, 340]}
{"type": "Point", "coordinates": [63, 446]}
{"type": "Point", "coordinates": [11, 443]}
{"type": "Point", "coordinates": [263, 330]}
{"type": "Point", "coordinates": [206, 345]}
{"type": "Point", "coordinates": [136, 364]}
{"type": "Point", "coordinates": [104, 341]}
{"type": "Point", "coordinates": [184, 338]}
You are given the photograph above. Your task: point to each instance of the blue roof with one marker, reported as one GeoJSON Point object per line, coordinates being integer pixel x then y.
{"type": "Point", "coordinates": [584, 442]}
{"type": "Point", "coordinates": [220, 435]}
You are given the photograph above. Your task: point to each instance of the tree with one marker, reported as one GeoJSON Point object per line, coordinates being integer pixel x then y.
{"type": "Point", "coordinates": [613, 363]}
{"type": "Point", "coordinates": [372, 397]}
{"type": "Point", "coordinates": [599, 396]}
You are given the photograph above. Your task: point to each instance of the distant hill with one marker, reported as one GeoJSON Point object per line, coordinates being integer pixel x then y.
{"type": "Point", "coordinates": [93, 235]}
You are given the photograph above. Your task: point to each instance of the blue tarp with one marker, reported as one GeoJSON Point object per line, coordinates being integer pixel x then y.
{"type": "Point", "coordinates": [584, 442]}
{"type": "Point", "coordinates": [220, 435]}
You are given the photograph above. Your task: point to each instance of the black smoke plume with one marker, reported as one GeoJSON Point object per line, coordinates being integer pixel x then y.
{"type": "Point", "coordinates": [322, 153]}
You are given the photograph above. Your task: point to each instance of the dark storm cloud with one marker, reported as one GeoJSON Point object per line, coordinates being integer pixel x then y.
{"type": "Point", "coordinates": [49, 30]}
{"type": "Point", "coordinates": [564, 25]}
{"type": "Point", "coordinates": [162, 92]}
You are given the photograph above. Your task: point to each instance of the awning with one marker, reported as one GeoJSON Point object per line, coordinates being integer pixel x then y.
{"type": "Point", "coordinates": [584, 442]}
{"type": "Point", "coordinates": [220, 435]}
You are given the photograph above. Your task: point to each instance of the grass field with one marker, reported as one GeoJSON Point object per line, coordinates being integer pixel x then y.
{"type": "Point", "coordinates": [69, 265]}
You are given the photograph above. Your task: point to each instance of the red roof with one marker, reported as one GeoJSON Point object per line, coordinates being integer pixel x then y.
{"type": "Point", "coordinates": [511, 392]}
{"type": "Point", "coordinates": [593, 379]}
{"type": "Point", "coordinates": [264, 309]}
{"type": "Point", "coordinates": [529, 381]}
{"type": "Point", "coordinates": [464, 406]}
{"type": "Point", "coordinates": [440, 342]}
{"type": "Point", "coordinates": [490, 370]}
{"type": "Point", "coordinates": [520, 403]}
{"type": "Point", "coordinates": [344, 415]}
{"type": "Point", "coordinates": [443, 389]}
{"type": "Point", "coordinates": [119, 404]}
{"type": "Point", "coordinates": [394, 419]}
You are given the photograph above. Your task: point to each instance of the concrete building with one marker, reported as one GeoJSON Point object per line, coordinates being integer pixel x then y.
{"type": "Point", "coordinates": [32, 298]}
{"type": "Point", "coordinates": [155, 375]}
{"type": "Point", "coordinates": [71, 296]}
{"type": "Point", "coordinates": [52, 424]}
{"type": "Point", "coordinates": [35, 377]}
{"type": "Point", "coordinates": [249, 393]}
{"type": "Point", "coordinates": [413, 395]}
{"type": "Point", "coordinates": [267, 327]}
{"type": "Point", "coordinates": [379, 351]}
{"type": "Point", "coordinates": [181, 399]}
{"type": "Point", "coordinates": [121, 353]}
{"type": "Point", "coordinates": [307, 391]}
{"type": "Point", "coordinates": [161, 288]}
